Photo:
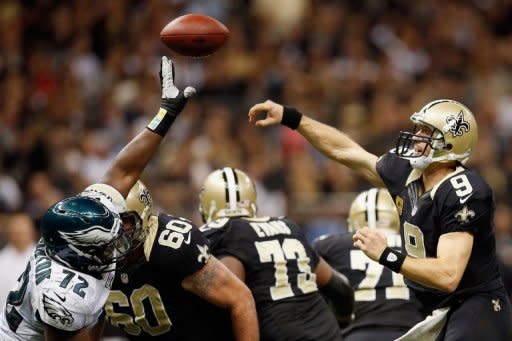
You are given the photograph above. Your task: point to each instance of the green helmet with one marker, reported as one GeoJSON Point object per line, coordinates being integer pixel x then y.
{"type": "Point", "coordinates": [84, 234]}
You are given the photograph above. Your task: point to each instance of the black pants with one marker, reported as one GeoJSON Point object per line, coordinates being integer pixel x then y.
{"type": "Point", "coordinates": [486, 316]}
{"type": "Point", "coordinates": [373, 334]}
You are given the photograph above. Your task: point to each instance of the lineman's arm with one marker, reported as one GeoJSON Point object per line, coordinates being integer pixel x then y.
{"type": "Point", "coordinates": [97, 330]}
{"type": "Point", "coordinates": [337, 290]}
{"type": "Point", "coordinates": [443, 272]}
{"type": "Point", "coordinates": [133, 158]}
{"type": "Point", "coordinates": [216, 284]}
{"type": "Point", "coordinates": [329, 141]}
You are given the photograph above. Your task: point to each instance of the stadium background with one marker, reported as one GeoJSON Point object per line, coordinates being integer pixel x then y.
{"type": "Point", "coordinates": [79, 78]}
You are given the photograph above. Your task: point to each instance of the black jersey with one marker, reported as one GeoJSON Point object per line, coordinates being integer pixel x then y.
{"type": "Point", "coordinates": [148, 301]}
{"type": "Point", "coordinates": [280, 271]}
{"type": "Point", "coordinates": [382, 300]}
{"type": "Point", "coordinates": [461, 202]}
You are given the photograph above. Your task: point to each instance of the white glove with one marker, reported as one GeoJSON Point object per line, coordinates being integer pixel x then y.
{"type": "Point", "coordinates": [169, 89]}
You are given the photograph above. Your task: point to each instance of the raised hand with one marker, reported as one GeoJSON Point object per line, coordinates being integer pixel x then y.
{"type": "Point", "coordinates": [273, 114]}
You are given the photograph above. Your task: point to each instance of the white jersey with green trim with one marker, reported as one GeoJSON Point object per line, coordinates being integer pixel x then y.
{"type": "Point", "coordinates": [53, 294]}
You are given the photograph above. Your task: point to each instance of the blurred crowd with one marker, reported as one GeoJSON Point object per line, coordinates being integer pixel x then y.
{"type": "Point", "coordinates": [79, 78]}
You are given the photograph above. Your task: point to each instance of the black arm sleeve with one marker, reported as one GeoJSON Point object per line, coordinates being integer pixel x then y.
{"type": "Point", "coordinates": [340, 297]}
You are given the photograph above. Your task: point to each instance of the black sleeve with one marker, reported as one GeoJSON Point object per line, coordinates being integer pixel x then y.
{"type": "Point", "coordinates": [339, 295]}
{"type": "Point", "coordinates": [467, 213]}
{"type": "Point", "coordinates": [181, 249]}
{"type": "Point", "coordinates": [394, 171]}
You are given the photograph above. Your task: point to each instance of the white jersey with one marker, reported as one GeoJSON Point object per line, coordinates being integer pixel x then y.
{"type": "Point", "coordinates": [53, 294]}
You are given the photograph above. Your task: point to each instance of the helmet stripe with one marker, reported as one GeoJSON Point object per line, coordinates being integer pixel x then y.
{"type": "Point", "coordinates": [371, 208]}
{"type": "Point", "coordinates": [436, 103]}
{"type": "Point", "coordinates": [231, 187]}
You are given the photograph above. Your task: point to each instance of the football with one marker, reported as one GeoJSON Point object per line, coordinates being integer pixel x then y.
{"type": "Point", "coordinates": [194, 35]}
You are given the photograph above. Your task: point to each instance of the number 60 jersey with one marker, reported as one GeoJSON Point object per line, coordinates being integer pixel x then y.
{"type": "Point", "coordinates": [51, 293]}
{"type": "Point", "coordinates": [148, 301]}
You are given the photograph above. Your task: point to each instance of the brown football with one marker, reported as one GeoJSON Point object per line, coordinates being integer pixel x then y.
{"type": "Point", "coordinates": [194, 35]}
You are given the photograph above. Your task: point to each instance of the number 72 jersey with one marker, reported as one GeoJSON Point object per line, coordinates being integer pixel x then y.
{"type": "Point", "coordinates": [50, 293]}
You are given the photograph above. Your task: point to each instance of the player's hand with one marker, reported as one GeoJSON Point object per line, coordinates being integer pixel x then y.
{"type": "Point", "coordinates": [273, 113]}
{"type": "Point", "coordinates": [372, 242]}
{"type": "Point", "coordinates": [173, 100]}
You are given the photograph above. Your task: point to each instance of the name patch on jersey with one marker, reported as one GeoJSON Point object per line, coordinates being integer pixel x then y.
{"type": "Point", "coordinates": [271, 228]}
{"type": "Point", "coordinates": [43, 264]}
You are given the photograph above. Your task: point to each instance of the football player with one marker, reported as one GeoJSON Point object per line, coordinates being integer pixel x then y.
{"type": "Point", "coordinates": [446, 214]}
{"type": "Point", "coordinates": [66, 282]}
{"type": "Point", "coordinates": [158, 294]}
{"type": "Point", "coordinates": [384, 307]}
{"type": "Point", "coordinates": [272, 256]}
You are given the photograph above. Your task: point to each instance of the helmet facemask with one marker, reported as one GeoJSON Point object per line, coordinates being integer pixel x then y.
{"type": "Point", "coordinates": [433, 143]}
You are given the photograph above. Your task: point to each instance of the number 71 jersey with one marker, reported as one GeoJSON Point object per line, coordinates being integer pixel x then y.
{"type": "Point", "coordinates": [50, 293]}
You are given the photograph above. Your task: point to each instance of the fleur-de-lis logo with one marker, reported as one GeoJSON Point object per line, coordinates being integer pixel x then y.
{"type": "Point", "coordinates": [145, 197]}
{"type": "Point", "coordinates": [204, 254]}
{"type": "Point", "coordinates": [464, 215]}
{"type": "Point", "coordinates": [496, 306]}
{"type": "Point", "coordinates": [457, 124]}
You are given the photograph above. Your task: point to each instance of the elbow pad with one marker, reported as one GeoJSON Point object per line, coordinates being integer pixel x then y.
{"type": "Point", "coordinates": [339, 295]}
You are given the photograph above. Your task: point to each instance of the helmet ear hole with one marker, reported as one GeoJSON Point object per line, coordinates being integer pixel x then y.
{"type": "Point", "coordinates": [449, 146]}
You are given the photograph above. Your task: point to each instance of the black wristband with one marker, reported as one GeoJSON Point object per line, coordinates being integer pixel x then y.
{"type": "Point", "coordinates": [174, 106]}
{"type": "Point", "coordinates": [392, 259]}
{"type": "Point", "coordinates": [291, 117]}
{"type": "Point", "coordinates": [161, 123]}
{"type": "Point", "coordinates": [170, 108]}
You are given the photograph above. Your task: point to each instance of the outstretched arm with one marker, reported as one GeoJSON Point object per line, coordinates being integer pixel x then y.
{"type": "Point", "coordinates": [216, 284]}
{"type": "Point", "coordinates": [133, 158]}
{"type": "Point", "coordinates": [329, 141]}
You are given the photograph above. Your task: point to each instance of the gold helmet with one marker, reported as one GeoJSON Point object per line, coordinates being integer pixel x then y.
{"type": "Point", "coordinates": [139, 201]}
{"type": "Point", "coordinates": [373, 208]}
{"type": "Point", "coordinates": [454, 134]}
{"type": "Point", "coordinates": [227, 192]}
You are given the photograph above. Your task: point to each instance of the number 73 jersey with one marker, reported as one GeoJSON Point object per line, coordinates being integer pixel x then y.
{"type": "Point", "coordinates": [278, 261]}
{"type": "Point", "coordinates": [50, 293]}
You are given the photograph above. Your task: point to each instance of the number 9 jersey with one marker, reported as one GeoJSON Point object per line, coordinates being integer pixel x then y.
{"type": "Point", "coordinates": [461, 202]}
{"type": "Point", "coordinates": [50, 293]}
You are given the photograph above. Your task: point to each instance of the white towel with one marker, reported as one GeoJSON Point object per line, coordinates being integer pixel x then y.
{"type": "Point", "coordinates": [429, 328]}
